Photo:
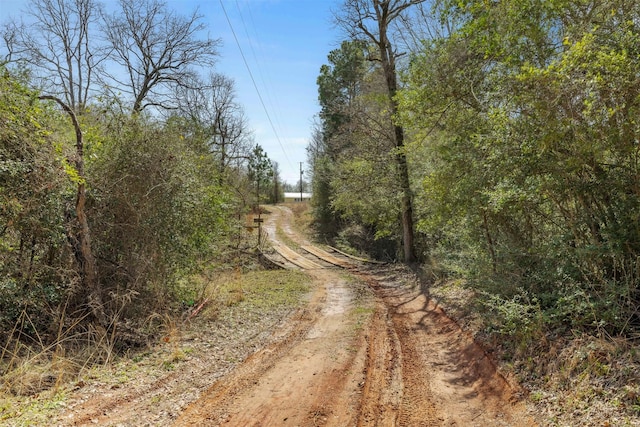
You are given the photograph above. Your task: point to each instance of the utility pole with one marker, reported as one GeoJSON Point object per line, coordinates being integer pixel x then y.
{"type": "Point", "coordinates": [301, 181]}
{"type": "Point", "coordinates": [259, 219]}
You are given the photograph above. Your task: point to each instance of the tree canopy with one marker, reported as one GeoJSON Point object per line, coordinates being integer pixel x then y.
{"type": "Point", "coordinates": [110, 203]}
{"type": "Point", "coordinates": [521, 144]}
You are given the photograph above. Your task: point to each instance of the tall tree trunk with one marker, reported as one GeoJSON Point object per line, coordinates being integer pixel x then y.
{"type": "Point", "coordinates": [407, 199]}
{"type": "Point", "coordinates": [387, 58]}
{"type": "Point", "coordinates": [83, 253]}
{"type": "Point", "coordinates": [490, 243]}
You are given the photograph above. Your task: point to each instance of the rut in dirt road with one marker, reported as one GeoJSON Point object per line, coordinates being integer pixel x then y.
{"type": "Point", "coordinates": [309, 377]}
{"type": "Point", "coordinates": [447, 379]}
{"type": "Point", "coordinates": [403, 364]}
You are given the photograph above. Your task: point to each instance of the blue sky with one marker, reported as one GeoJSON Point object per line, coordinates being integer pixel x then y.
{"type": "Point", "coordinates": [284, 42]}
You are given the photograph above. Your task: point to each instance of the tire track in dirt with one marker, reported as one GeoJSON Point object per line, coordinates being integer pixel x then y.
{"type": "Point", "coordinates": [98, 407]}
{"type": "Point", "coordinates": [447, 379]}
{"type": "Point", "coordinates": [392, 358]}
{"type": "Point", "coordinates": [207, 410]}
{"type": "Point", "coordinates": [402, 363]}
{"type": "Point", "coordinates": [420, 368]}
{"type": "Point", "coordinates": [311, 378]}
{"type": "Point", "coordinates": [382, 389]}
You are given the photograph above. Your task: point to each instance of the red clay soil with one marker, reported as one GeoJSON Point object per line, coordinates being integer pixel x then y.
{"type": "Point", "coordinates": [408, 365]}
{"type": "Point", "coordinates": [386, 356]}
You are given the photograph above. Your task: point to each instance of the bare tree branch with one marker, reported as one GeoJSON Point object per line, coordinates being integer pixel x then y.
{"type": "Point", "coordinates": [59, 47]}
{"type": "Point", "coordinates": [213, 107]}
{"type": "Point", "coordinates": [156, 49]}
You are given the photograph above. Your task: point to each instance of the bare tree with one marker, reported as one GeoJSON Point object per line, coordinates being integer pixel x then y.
{"type": "Point", "coordinates": [214, 109]}
{"type": "Point", "coordinates": [232, 138]}
{"type": "Point", "coordinates": [59, 47]}
{"type": "Point", "coordinates": [370, 20]}
{"type": "Point", "coordinates": [156, 49]}
{"type": "Point", "coordinates": [9, 35]}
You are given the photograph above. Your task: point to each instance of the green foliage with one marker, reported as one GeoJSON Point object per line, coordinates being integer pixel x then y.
{"type": "Point", "coordinates": [162, 199]}
{"type": "Point", "coordinates": [357, 196]}
{"type": "Point", "coordinates": [519, 318]}
{"type": "Point", "coordinates": [339, 84]}
{"type": "Point", "coordinates": [157, 208]}
{"type": "Point", "coordinates": [364, 192]}
{"type": "Point", "coordinates": [33, 202]}
{"type": "Point", "coordinates": [321, 202]}
{"type": "Point", "coordinates": [525, 121]}
{"type": "Point", "coordinates": [260, 171]}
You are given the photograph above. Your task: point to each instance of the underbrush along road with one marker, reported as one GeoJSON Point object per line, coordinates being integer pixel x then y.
{"type": "Point", "coordinates": [368, 349]}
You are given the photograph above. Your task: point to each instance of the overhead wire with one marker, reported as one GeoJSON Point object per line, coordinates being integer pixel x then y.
{"type": "Point", "coordinates": [267, 83]}
{"type": "Point", "coordinates": [266, 111]}
{"type": "Point", "coordinates": [265, 86]}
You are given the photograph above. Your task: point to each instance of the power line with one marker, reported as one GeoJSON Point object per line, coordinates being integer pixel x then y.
{"type": "Point", "coordinates": [255, 85]}
{"type": "Point", "coordinates": [267, 84]}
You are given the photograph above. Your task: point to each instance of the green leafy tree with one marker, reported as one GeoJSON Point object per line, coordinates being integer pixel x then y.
{"type": "Point", "coordinates": [35, 268]}
{"type": "Point", "coordinates": [353, 153]}
{"type": "Point", "coordinates": [278, 191]}
{"type": "Point", "coordinates": [260, 171]}
{"type": "Point", "coordinates": [371, 20]}
{"type": "Point", "coordinates": [339, 84]}
{"type": "Point", "coordinates": [524, 116]}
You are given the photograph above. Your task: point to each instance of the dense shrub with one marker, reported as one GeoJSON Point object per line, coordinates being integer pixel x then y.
{"type": "Point", "coordinates": [526, 119]}
{"type": "Point", "coordinates": [35, 197]}
{"type": "Point", "coordinates": [158, 209]}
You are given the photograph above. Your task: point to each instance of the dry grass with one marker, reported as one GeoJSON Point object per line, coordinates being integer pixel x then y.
{"type": "Point", "coordinates": [585, 380]}
{"type": "Point", "coordinates": [30, 365]}
{"type": "Point", "coordinates": [574, 380]}
{"type": "Point", "coordinates": [37, 376]}
{"type": "Point", "coordinates": [303, 217]}
{"type": "Point", "coordinates": [38, 381]}
{"type": "Point", "coordinates": [34, 366]}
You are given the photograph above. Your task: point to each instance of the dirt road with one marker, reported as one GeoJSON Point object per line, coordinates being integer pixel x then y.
{"type": "Point", "coordinates": [393, 360]}
{"type": "Point", "coordinates": [367, 349]}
